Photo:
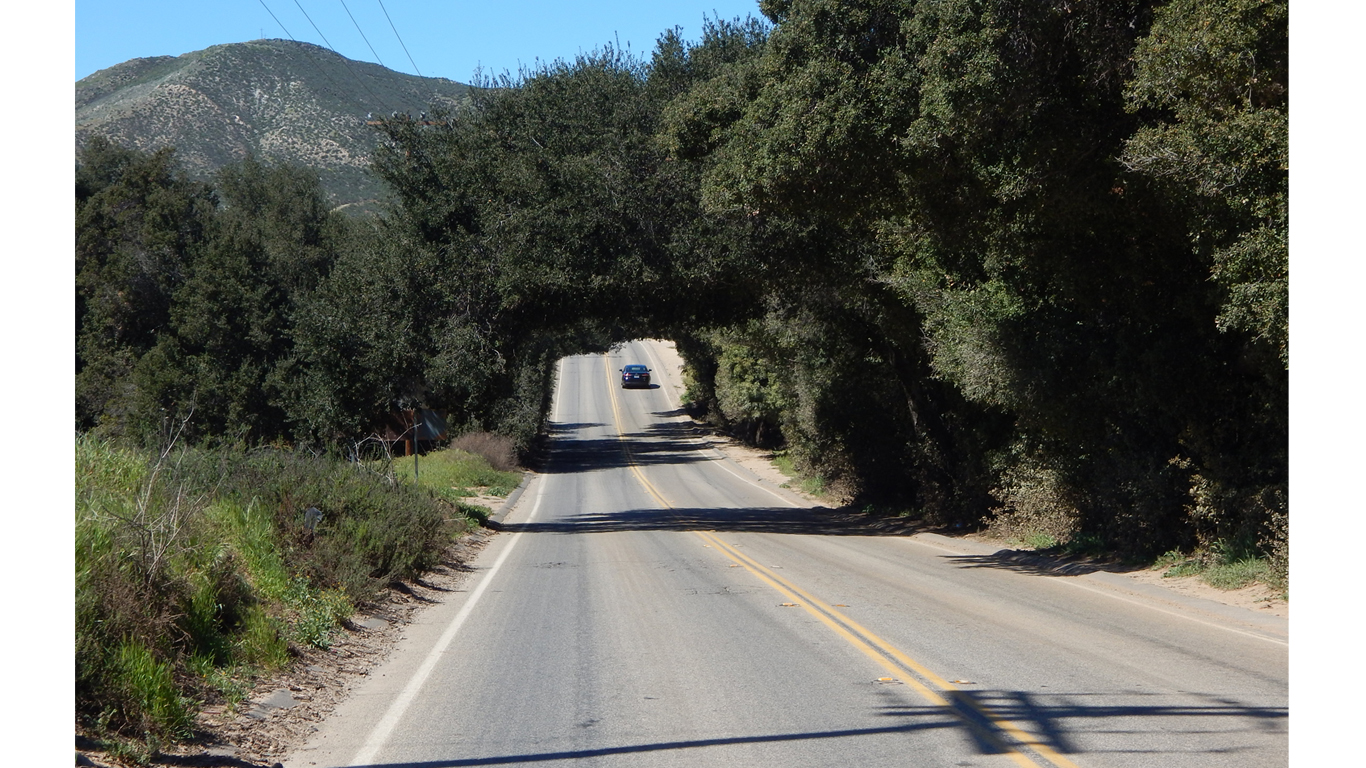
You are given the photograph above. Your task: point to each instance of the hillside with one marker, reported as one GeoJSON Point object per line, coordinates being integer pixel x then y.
{"type": "Point", "coordinates": [277, 99]}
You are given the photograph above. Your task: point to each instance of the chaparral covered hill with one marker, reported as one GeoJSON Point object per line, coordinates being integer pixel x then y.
{"type": "Point", "coordinates": [280, 100]}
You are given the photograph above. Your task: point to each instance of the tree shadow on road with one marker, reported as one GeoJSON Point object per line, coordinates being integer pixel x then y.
{"type": "Point", "coordinates": [821, 521]}
{"type": "Point", "coordinates": [1151, 728]}
{"type": "Point", "coordinates": [1043, 564]}
{"type": "Point", "coordinates": [567, 452]}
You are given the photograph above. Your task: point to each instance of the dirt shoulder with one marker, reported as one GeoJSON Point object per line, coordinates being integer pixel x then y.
{"type": "Point", "coordinates": [1257, 597]}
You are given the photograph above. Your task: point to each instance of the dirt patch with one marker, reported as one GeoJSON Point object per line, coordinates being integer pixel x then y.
{"type": "Point", "coordinates": [1257, 597]}
{"type": "Point", "coordinates": [283, 709]}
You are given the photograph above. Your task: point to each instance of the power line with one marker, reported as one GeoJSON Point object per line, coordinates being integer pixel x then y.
{"type": "Point", "coordinates": [277, 20]}
{"type": "Point", "coordinates": [318, 65]}
{"type": "Point", "coordinates": [344, 60]}
{"type": "Point", "coordinates": [362, 34]}
{"type": "Point", "coordinates": [315, 63]}
{"type": "Point", "coordinates": [400, 38]}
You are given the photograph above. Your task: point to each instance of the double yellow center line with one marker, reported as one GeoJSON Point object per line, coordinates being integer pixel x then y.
{"type": "Point", "coordinates": [929, 685]}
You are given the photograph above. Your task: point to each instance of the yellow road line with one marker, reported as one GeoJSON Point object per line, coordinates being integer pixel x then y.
{"type": "Point", "coordinates": [856, 635]}
{"type": "Point", "coordinates": [822, 609]}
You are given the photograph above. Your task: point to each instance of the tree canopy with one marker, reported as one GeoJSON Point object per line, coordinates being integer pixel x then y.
{"type": "Point", "coordinates": [992, 260]}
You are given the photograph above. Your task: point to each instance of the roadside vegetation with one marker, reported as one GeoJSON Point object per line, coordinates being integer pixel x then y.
{"type": "Point", "coordinates": [1222, 564]}
{"type": "Point", "coordinates": [474, 465]}
{"type": "Point", "coordinates": [200, 568]}
{"type": "Point", "coordinates": [1225, 564]}
{"type": "Point", "coordinates": [812, 485]}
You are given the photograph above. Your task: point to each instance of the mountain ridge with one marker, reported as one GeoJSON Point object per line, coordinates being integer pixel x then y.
{"type": "Point", "coordinates": [277, 100]}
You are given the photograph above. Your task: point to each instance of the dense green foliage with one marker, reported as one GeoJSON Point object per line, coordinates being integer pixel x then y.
{"type": "Point", "coordinates": [196, 569]}
{"type": "Point", "coordinates": [248, 310]}
{"type": "Point", "coordinates": [1002, 262]}
{"type": "Point", "coordinates": [1068, 299]}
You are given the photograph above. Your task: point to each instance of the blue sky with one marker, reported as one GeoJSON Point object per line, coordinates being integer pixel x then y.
{"type": "Point", "coordinates": [446, 39]}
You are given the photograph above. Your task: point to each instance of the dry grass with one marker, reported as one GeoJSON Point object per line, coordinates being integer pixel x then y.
{"type": "Point", "coordinates": [496, 449]}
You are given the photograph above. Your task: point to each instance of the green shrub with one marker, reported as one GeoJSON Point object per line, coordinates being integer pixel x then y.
{"type": "Point", "coordinates": [260, 641]}
{"type": "Point", "coordinates": [1039, 541]}
{"type": "Point", "coordinates": [150, 700]}
{"type": "Point", "coordinates": [372, 531]}
{"type": "Point", "coordinates": [1038, 502]}
{"type": "Point", "coordinates": [318, 613]}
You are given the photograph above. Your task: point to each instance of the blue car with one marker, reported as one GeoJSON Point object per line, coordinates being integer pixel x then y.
{"type": "Point", "coordinates": [635, 376]}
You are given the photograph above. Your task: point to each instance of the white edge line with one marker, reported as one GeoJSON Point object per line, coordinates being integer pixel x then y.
{"type": "Point", "coordinates": [721, 462]}
{"type": "Point", "coordinates": [1149, 606]}
{"type": "Point", "coordinates": [669, 393]}
{"type": "Point", "coordinates": [1072, 581]}
{"type": "Point", "coordinates": [381, 732]}
{"type": "Point", "coordinates": [915, 537]}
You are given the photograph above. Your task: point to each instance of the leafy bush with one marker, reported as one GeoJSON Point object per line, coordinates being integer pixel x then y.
{"type": "Point", "coordinates": [1277, 545]}
{"type": "Point", "coordinates": [318, 613]}
{"type": "Point", "coordinates": [1038, 503]}
{"type": "Point", "coordinates": [372, 531]}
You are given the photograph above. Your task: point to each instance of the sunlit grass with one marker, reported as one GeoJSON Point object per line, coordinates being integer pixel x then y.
{"type": "Point", "coordinates": [1221, 568]}
{"type": "Point", "coordinates": [457, 474]}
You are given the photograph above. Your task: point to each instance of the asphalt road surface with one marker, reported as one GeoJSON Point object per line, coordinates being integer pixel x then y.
{"type": "Point", "coordinates": [651, 603]}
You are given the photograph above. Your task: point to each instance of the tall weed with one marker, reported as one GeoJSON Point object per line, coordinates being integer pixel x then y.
{"type": "Point", "coordinates": [250, 531]}
{"type": "Point", "coordinates": [150, 700]}
{"type": "Point", "coordinates": [1224, 564]}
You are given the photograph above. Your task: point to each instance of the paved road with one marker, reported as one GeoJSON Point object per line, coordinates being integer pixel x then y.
{"type": "Point", "coordinates": [652, 604]}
